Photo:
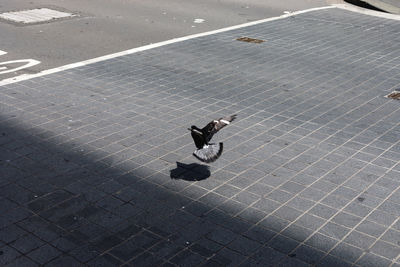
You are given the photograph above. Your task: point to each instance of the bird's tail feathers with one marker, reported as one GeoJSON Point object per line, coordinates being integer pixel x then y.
{"type": "Point", "coordinates": [209, 153]}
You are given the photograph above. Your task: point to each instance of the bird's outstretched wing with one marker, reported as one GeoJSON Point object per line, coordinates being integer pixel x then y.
{"type": "Point", "coordinates": [209, 153]}
{"type": "Point", "coordinates": [214, 126]}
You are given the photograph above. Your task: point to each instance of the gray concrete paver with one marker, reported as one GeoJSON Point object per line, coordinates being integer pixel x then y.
{"type": "Point", "coordinates": [308, 176]}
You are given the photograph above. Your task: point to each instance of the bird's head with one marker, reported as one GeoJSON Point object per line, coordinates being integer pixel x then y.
{"type": "Point", "coordinates": [192, 127]}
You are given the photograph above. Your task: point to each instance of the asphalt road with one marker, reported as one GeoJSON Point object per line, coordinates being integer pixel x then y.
{"type": "Point", "coordinates": [102, 27]}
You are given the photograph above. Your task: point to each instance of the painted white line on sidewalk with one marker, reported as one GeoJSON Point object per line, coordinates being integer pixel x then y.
{"type": "Point", "coordinates": [367, 11]}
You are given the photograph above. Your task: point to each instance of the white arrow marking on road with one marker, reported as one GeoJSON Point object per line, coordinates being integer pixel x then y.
{"type": "Point", "coordinates": [180, 39]}
{"type": "Point", "coordinates": [29, 63]}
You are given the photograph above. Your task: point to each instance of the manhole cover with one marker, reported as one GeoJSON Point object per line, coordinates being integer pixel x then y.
{"type": "Point", "coordinates": [37, 15]}
{"type": "Point", "coordinates": [250, 40]}
{"type": "Point", "coordinates": [394, 95]}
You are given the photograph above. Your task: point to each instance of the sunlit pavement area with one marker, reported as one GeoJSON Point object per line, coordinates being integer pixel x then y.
{"type": "Point", "coordinates": [96, 164]}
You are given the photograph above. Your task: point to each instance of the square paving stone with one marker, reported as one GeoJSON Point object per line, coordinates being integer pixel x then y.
{"type": "Point", "coordinates": [359, 240]}
{"type": "Point", "coordinates": [260, 234]}
{"type": "Point", "coordinates": [347, 252]}
{"type": "Point", "coordinates": [292, 261]}
{"type": "Point", "coordinates": [205, 247]}
{"type": "Point", "coordinates": [104, 260]}
{"type": "Point", "coordinates": [370, 260]}
{"type": "Point", "coordinates": [146, 259]}
{"type": "Point", "coordinates": [274, 223]}
{"type": "Point", "coordinates": [301, 204]}
{"type": "Point", "coordinates": [308, 254]}
{"type": "Point", "coordinates": [244, 245]}
{"type": "Point", "coordinates": [386, 250]}
{"type": "Point", "coordinates": [283, 244]}
{"type": "Point", "coordinates": [392, 236]}
{"type": "Point", "coordinates": [381, 217]}
{"type": "Point", "coordinates": [334, 230]}
{"type": "Point", "coordinates": [333, 261]}
{"type": "Point", "coordinates": [321, 242]}
{"type": "Point", "coordinates": [104, 243]}
{"type": "Point", "coordinates": [232, 207]}
{"type": "Point", "coordinates": [8, 255]}
{"type": "Point", "coordinates": [27, 243]}
{"type": "Point", "coordinates": [84, 253]}
{"type": "Point", "coordinates": [287, 213]}
{"type": "Point", "coordinates": [323, 211]}
{"type": "Point", "coordinates": [252, 215]}
{"type": "Point", "coordinates": [346, 219]}
{"type": "Point", "coordinates": [166, 249]}
{"type": "Point", "coordinates": [63, 261]}
{"type": "Point", "coordinates": [371, 228]}
{"type": "Point", "coordinates": [222, 236]}
{"type": "Point", "coordinates": [187, 258]}
{"type": "Point", "coordinates": [310, 221]}
{"type": "Point", "coordinates": [44, 254]}
{"type": "Point", "coordinates": [297, 233]}
{"type": "Point", "coordinates": [11, 233]}
{"type": "Point", "coordinates": [227, 257]}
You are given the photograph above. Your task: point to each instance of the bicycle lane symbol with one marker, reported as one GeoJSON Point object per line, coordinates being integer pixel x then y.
{"type": "Point", "coordinates": [4, 66]}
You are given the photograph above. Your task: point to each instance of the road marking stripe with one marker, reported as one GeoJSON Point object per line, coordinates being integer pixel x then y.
{"type": "Point", "coordinates": [180, 39]}
{"type": "Point", "coordinates": [28, 63]}
{"type": "Point", "coordinates": [147, 47]}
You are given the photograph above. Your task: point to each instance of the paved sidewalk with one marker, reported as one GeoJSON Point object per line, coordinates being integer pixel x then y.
{"type": "Point", "coordinates": [310, 173]}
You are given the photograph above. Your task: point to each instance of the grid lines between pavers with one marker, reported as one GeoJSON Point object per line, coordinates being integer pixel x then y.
{"type": "Point", "coordinates": [308, 176]}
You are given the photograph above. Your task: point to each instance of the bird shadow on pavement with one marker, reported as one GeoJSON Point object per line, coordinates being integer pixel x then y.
{"type": "Point", "coordinates": [190, 172]}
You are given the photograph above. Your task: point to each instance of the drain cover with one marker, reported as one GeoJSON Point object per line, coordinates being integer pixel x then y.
{"type": "Point", "coordinates": [394, 95]}
{"type": "Point", "coordinates": [34, 15]}
{"type": "Point", "coordinates": [250, 40]}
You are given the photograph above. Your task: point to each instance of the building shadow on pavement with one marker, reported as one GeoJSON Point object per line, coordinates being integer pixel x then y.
{"type": "Point", "coordinates": [65, 206]}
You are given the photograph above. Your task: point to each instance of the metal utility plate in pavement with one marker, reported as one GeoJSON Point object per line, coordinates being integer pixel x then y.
{"type": "Point", "coordinates": [38, 15]}
{"type": "Point", "coordinates": [250, 40]}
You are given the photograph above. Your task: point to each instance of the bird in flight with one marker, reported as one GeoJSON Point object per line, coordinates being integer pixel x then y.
{"type": "Point", "coordinates": [209, 152]}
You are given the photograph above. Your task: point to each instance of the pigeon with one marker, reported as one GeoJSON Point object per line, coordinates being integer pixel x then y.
{"type": "Point", "coordinates": [209, 152]}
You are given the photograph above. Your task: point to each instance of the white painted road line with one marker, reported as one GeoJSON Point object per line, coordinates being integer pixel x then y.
{"type": "Point", "coordinates": [28, 63]}
{"type": "Point", "coordinates": [151, 46]}
{"type": "Point", "coordinates": [147, 47]}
